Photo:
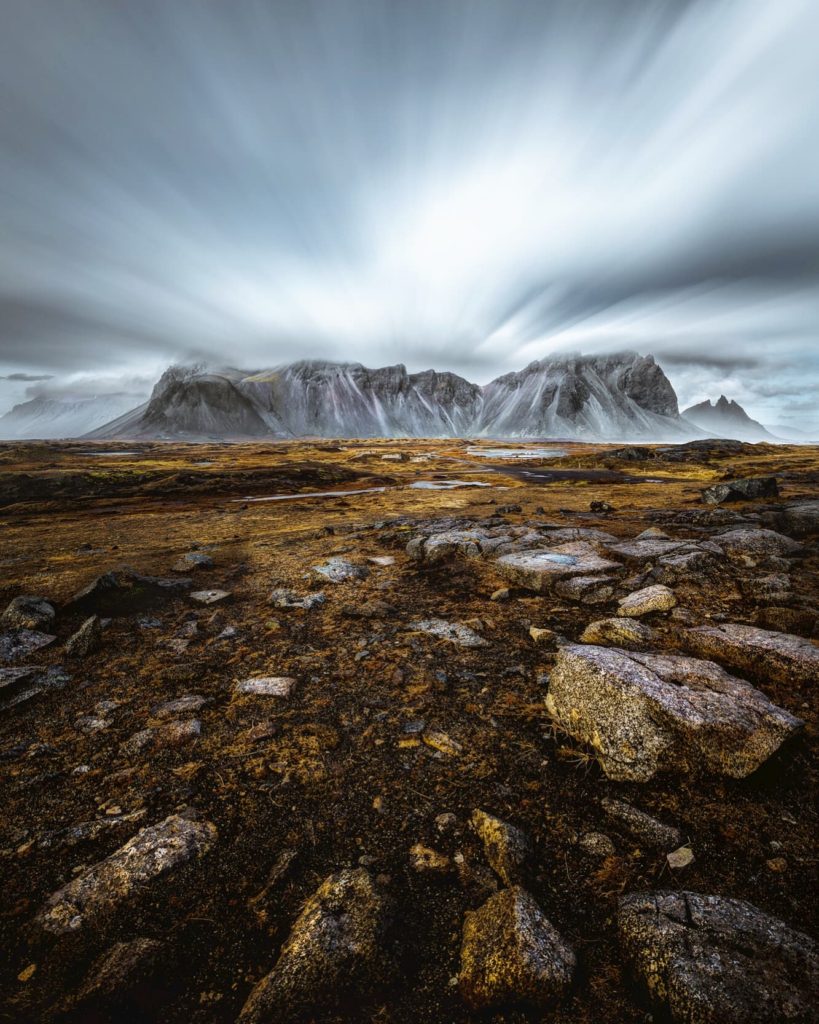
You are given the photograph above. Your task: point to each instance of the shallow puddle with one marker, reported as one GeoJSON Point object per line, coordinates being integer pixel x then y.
{"type": "Point", "coordinates": [445, 485]}
{"type": "Point", "coordinates": [518, 453]}
{"type": "Point", "coordinates": [417, 485]}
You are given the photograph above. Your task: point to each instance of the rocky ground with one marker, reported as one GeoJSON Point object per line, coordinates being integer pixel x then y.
{"type": "Point", "coordinates": [500, 746]}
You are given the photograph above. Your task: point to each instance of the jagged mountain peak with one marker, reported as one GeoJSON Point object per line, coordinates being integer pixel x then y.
{"type": "Point", "coordinates": [624, 396]}
{"type": "Point", "coordinates": [727, 418]}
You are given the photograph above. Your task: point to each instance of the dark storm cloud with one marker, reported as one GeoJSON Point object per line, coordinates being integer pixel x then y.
{"type": "Point", "coordinates": [26, 376]}
{"type": "Point", "coordinates": [467, 185]}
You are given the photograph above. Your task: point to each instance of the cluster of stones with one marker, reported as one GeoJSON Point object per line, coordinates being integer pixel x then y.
{"type": "Point", "coordinates": [642, 711]}
{"type": "Point", "coordinates": [645, 712]}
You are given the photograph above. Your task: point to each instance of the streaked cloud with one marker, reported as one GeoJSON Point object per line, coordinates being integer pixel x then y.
{"type": "Point", "coordinates": [465, 185]}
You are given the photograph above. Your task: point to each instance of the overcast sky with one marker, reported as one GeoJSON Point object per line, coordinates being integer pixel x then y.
{"type": "Point", "coordinates": [464, 184]}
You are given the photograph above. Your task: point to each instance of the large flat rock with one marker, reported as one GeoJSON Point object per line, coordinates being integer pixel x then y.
{"type": "Point", "coordinates": [537, 569]}
{"type": "Point", "coordinates": [713, 960]}
{"type": "Point", "coordinates": [759, 653]}
{"type": "Point", "coordinates": [647, 549]}
{"type": "Point", "coordinates": [103, 887]}
{"type": "Point", "coordinates": [647, 713]}
{"type": "Point", "coordinates": [754, 544]}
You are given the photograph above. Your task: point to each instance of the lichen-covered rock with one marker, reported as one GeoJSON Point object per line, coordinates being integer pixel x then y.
{"type": "Point", "coordinates": [619, 632]}
{"type": "Point", "coordinates": [18, 643]}
{"type": "Point", "coordinates": [586, 589]}
{"type": "Point", "coordinates": [86, 639]}
{"type": "Point", "coordinates": [427, 861]}
{"type": "Point", "coordinates": [538, 570]}
{"type": "Point", "coordinates": [649, 549]}
{"type": "Point", "coordinates": [335, 946]}
{"type": "Point", "coordinates": [642, 826]}
{"type": "Point", "coordinates": [28, 612]}
{"type": "Point", "coordinates": [713, 960]}
{"type": "Point", "coordinates": [800, 520]}
{"type": "Point", "coordinates": [104, 886]}
{"type": "Point", "coordinates": [755, 544]}
{"type": "Point", "coordinates": [647, 601]}
{"type": "Point", "coordinates": [507, 847]}
{"type": "Point", "coordinates": [281, 597]}
{"type": "Point", "coordinates": [511, 953]}
{"type": "Point", "coordinates": [759, 653]}
{"type": "Point", "coordinates": [119, 973]}
{"type": "Point", "coordinates": [193, 560]}
{"type": "Point", "coordinates": [265, 686]}
{"type": "Point", "coordinates": [645, 713]}
{"type": "Point", "coordinates": [439, 547]}
{"type": "Point", "coordinates": [741, 490]}
{"type": "Point", "coordinates": [338, 570]}
{"type": "Point", "coordinates": [455, 632]}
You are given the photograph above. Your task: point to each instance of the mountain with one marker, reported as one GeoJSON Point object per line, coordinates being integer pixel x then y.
{"type": "Point", "coordinates": [51, 418]}
{"type": "Point", "coordinates": [725, 418]}
{"type": "Point", "coordinates": [623, 397]}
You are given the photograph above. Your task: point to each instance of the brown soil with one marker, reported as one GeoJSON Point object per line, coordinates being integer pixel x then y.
{"type": "Point", "coordinates": [330, 772]}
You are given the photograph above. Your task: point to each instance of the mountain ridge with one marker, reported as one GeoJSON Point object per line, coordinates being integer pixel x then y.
{"type": "Point", "coordinates": [621, 397]}
{"type": "Point", "coordinates": [727, 418]}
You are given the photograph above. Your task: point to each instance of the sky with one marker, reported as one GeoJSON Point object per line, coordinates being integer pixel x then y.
{"type": "Point", "coordinates": [462, 184]}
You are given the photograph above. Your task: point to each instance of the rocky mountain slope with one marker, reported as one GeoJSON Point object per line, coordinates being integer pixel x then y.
{"type": "Point", "coordinates": [624, 397]}
{"type": "Point", "coordinates": [726, 418]}
{"type": "Point", "coordinates": [45, 417]}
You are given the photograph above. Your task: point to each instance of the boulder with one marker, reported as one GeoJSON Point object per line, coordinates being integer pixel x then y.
{"type": "Point", "coordinates": [511, 953]}
{"type": "Point", "coordinates": [755, 544]}
{"type": "Point", "coordinates": [538, 570]}
{"type": "Point", "coordinates": [338, 570]}
{"type": "Point", "coordinates": [586, 589]}
{"type": "Point", "coordinates": [800, 520]}
{"type": "Point", "coordinates": [455, 632]}
{"type": "Point", "coordinates": [86, 639]}
{"type": "Point", "coordinates": [28, 612]}
{"type": "Point", "coordinates": [760, 653]}
{"type": "Point", "coordinates": [647, 601]}
{"type": "Point", "coordinates": [335, 948]}
{"type": "Point", "coordinates": [265, 686]}
{"type": "Point", "coordinates": [649, 549]}
{"type": "Point", "coordinates": [18, 643]}
{"type": "Point", "coordinates": [642, 826]}
{"type": "Point", "coordinates": [674, 568]}
{"type": "Point", "coordinates": [281, 597]}
{"type": "Point", "coordinates": [126, 973]}
{"type": "Point", "coordinates": [193, 560]}
{"type": "Point", "coordinates": [179, 706]}
{"type": "Point", "coordinates": [103, 887]}
{"type": "Point", "coordinates": [741, 490]}
{"type": "Point", "coordinates": [646, 713]}
{"type": "Point", "coordinates": [619, 632]}
{"type": "Point", "coordinates": [714, 960]}
{"type": "Point", "coordinates": [427, 861]}
{"type": "Point", "coordinates": [507, 847]}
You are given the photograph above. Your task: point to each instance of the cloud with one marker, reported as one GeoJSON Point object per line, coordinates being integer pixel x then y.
{"type": "Point", "coordinates": [26, 376]}
{"type": "Point", "coordinates": [464, 186]}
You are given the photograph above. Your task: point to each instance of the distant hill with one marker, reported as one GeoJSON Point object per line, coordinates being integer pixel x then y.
{"type": "Point", "coordinates": [619, 397]}
{"type": "Point", "coordinates": [51, 418]}
{"type": "Point", "coordinates": [726, 418]}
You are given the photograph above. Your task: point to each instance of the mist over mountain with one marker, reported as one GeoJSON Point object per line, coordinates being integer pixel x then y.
{"type": "Point", "coordinates": [51, 417]}
{"type": "Point", "coordinates": [727, 418]}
